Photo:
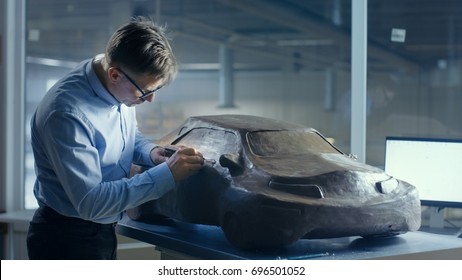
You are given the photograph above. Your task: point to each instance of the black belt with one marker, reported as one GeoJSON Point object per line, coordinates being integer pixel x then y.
{"type": "Point", "coordinates": [49, 215]}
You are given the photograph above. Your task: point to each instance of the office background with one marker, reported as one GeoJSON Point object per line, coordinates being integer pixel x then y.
{"type": "Point", "coordinates": [283, 59]}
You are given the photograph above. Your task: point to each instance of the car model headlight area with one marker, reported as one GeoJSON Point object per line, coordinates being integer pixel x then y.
{"type": "Point", "coordinates": [387, 186]}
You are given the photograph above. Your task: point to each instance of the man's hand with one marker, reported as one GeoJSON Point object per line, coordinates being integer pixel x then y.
{"type": "Point", "coordinates": [184, 163]}
{"type": "Point", "coordinates": [159, 155]}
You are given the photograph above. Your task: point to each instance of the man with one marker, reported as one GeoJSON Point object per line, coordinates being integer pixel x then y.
{"type": "Point", "coordinates": [85, 139]}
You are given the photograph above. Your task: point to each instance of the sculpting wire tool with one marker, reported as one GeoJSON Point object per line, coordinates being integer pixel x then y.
{"type": "Point", "coordinates": [170, 151]}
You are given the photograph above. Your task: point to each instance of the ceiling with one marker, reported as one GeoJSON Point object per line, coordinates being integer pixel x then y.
{"type": "Point", "coordinates": [264, 34]}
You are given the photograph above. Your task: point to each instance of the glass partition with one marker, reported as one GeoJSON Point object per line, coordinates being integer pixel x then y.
{"type": "Point", "coordinates": [414, 72]}
{"type": "Point", "coordinates": [282, 59]}
{"type": "Point", "coordinates": [415, 80]}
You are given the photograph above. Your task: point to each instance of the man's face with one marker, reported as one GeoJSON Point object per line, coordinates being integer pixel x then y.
{"type": "Point", "coordinates": [135, 90]}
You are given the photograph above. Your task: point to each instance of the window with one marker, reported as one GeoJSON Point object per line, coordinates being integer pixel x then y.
{"type": "Point", "coordinates": [414, 72]}
{"type": "Point", "coordinates": [290, 60]}
{"type": "Point", "coordinates": [283, 59]}
{"type": "Point", "coordinates": [203, 139]}
{"type": "Point", "coordinates": [288, 143]}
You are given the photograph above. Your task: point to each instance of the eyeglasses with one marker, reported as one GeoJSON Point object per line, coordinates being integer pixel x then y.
{"type": "Point", "coordinates": [144, 94]}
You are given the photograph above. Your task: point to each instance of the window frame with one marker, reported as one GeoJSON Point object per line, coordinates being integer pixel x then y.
{"type": "Point", "coordinates": [12, 187]}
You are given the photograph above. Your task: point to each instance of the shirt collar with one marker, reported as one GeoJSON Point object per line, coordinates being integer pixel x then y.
{"type": "Point", "coordinates": [98, 86]}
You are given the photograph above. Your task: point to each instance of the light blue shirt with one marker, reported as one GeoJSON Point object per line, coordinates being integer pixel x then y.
{"type": "Point", "coordinates": [84, 142]}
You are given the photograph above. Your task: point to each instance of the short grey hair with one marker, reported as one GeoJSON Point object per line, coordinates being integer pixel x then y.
{"type": "Point", "coordinates": [142, 47]}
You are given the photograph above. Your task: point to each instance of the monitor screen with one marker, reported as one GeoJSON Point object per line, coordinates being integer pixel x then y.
{"type": "Point", "coordinates": [433, 166]}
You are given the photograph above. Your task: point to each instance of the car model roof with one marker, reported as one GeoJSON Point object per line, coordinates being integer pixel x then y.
{"type": "Point", "coordinates": [242, 123]}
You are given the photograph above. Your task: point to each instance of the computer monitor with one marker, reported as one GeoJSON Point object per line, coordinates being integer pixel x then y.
{"type": "Point", "coordinates": [433, 166]}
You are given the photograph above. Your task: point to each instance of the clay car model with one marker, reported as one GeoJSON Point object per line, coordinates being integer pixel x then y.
{"type": "Point", "coordinates": [269, 183]}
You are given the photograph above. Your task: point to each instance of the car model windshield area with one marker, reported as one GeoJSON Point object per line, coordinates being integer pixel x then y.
{"type": "Point", "coordinates": [280, 143]}
{"type": "Point", "coordinates": [211, 142]}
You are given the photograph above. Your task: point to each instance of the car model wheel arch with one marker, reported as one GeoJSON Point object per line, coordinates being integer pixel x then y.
{"type": "Point", "coordinates": [235, 228]}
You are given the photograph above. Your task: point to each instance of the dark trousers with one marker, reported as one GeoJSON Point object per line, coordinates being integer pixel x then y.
{"type": "Point", "coordinates": [53, 236]}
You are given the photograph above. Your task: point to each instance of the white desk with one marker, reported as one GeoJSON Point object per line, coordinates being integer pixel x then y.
{"type": "Point", "coordinates": [16, 219]}
{"type": "Point", "coordinates": [208, 242]}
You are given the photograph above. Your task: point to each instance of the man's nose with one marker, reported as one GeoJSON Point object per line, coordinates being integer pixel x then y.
{"type": "Point", "coordinates": [150, 98]}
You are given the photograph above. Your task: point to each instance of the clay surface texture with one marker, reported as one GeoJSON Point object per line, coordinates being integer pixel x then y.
{"type": "Point", "coordinates": [268, 183]}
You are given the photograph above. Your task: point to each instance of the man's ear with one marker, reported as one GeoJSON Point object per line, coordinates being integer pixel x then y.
{"type": "Point", "coordinates": [114, 75]}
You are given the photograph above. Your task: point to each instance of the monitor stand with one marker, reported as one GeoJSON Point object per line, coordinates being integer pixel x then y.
{"type": "Point", "coordinates": [437, 221]}
{"type": "Point", "coordinates": [436, 217]}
